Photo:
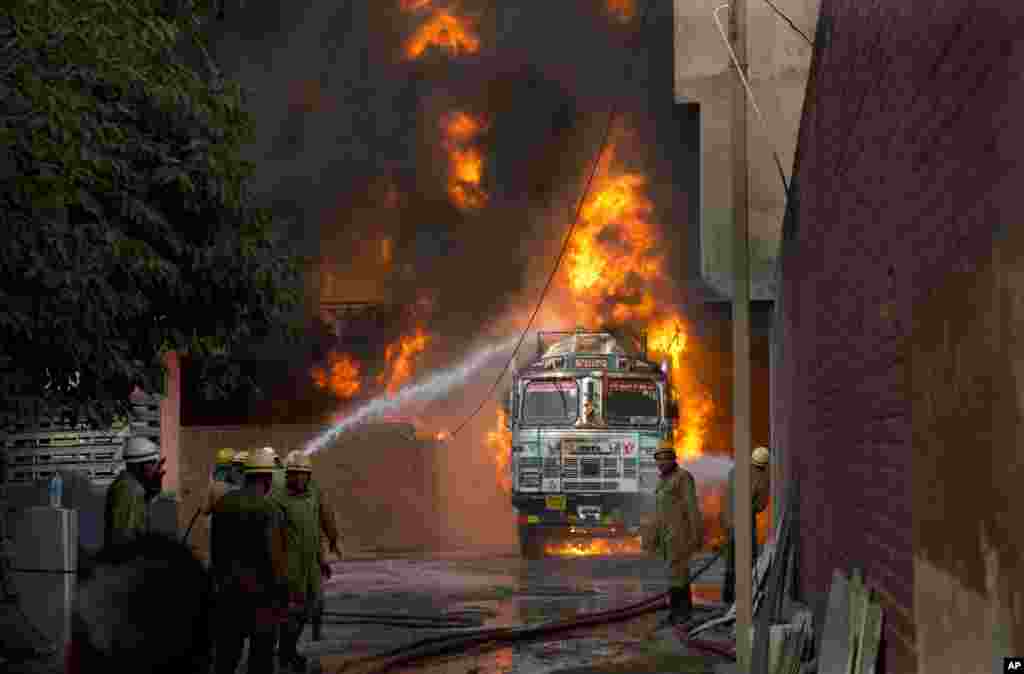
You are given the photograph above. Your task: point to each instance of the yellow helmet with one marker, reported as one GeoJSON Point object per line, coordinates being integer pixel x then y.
{"type": "Point", "coordinates": [225, 456]}
{"type": "Point", "coordinates": [241, 457]}
{"type": "Point", "coordinates": [298, 462]}
{"type": "Point", "coordinates": [260, 461]}
{"type": "Point", "coordinates": [760, 457]}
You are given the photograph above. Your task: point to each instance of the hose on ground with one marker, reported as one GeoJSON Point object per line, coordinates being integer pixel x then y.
{"type": "Point", "coordinates": [445, 644]}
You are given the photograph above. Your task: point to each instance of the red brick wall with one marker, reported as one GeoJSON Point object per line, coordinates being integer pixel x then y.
{"type": "Point", "coordinates": [906, 161]}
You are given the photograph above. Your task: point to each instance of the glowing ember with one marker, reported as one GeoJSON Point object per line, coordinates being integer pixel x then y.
{"type": "Point", "coordinates": [341, 376]}
{"type": "Point", "coordinates": [442, 436]}
{"type": "Point", "coordinates": [415, 5]}
{"type": "Point", "coordinates": [465, 161]}
{"type": "Point", "coordinates": [623, 10]}
{"type": "Point", "coordinates": [385, 251]}
{"type": "Point", "coordinates": [500, 443]}
{"type": "Point", "coordinates": [400, 357]}
{"type": "Point", "coordinates": [588, 547]}
{"type": "Point", "coordinates": [444, 29]}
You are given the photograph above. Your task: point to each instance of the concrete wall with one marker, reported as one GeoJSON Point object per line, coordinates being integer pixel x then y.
{"type": "Point", "coordinates": [170, 422]}
{"type": "Point", "coordinates": [907, 162]}
{"type": "Point", "coordinates": [779, 60]}
{"type": "Point", "coordinates": [382, 484]}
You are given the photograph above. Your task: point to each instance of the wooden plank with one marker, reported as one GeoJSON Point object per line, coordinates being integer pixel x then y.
{"type": "Point", "coordinates": [872, 639]}
{"type": "Point", "coordinates": [835, 638]}
{"type": "Point", "coordinates": [858, 609]}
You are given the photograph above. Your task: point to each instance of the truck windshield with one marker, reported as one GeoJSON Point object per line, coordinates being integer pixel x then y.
{"type": "Point", "coordinates": [631, 401]}
{"type": "Point", "coordinates": [551, 401]}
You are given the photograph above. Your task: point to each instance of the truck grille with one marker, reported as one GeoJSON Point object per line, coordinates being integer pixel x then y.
{"type": "Point", "coordinates": [529, 462]}
{"type": "Point", "coordinates": [551, 467]}
{"type": "Point", "coordinates": [611, 462]}
{"type": "Point", "coordinates": [629, 468]}
{"type": "Point", "coordinates": [582, 486]}
{"type": "Point", "coordinates": [529, 480]}
{"type": "Point", "coordinates": [591, 467]}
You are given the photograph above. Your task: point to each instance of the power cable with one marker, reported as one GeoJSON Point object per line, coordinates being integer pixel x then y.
{"type": "Point", "coordinates": [789, 21]}
{"type": "Point", "coordinates": [614, 112]}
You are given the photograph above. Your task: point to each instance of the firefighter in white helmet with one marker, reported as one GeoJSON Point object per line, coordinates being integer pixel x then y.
{"type": "Point", "coordinates": [677, 531]}
{"type": "Point", "coordinates": [306, 565]}
{"type": "Point", "coordinates": [760, 485]}
{"type": "Point", "coordinates": [249, 560]}
{"type": "Point", "coordinates": [127, 507]}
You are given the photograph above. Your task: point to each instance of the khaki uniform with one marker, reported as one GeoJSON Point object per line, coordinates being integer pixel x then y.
{"type": "Point", "coordinates": [214, 493]}
{"type": "Point", "coordinates": [248, 554]}
{"type": "Point", "coordinates": [302, 512]}
{"type": "Point", "coordinates": [126, 511]}
{"type": "Point", "coordinates": [677, 531]}
{"type": "Point", "coordinates": [760, 486]}
{"type": "Point", "coordinates": [331, 535]}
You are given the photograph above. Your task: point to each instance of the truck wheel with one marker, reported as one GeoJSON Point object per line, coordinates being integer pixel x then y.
{"type": "Point", "coordinates": [531, 543]}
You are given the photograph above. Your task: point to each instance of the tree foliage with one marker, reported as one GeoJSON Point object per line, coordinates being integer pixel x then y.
{"type": "Point", "coordinates": [124, 207]}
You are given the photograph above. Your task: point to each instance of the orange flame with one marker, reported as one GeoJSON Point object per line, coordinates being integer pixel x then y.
{"type": "Point", "coordinates": [442, 435]}
{"type": "Point", "coordinates": [341, 377]}
{"type": "Point", "coordinates": [400, 357]}
{"type": "Point", "coordinates": [385, 251]}
{"type": "Point", "coordinates": [444, 29]}
{"type": "Point", "coordinates": [465, 161]}
{"type": "Point", "coordinates": [596, 546]}
{"type": "Point", "coordinates": [615, 271]}
{"type": "Point", "coordinates": [500, 442]}
{"type": "Point", "coordinates": [623, 10]}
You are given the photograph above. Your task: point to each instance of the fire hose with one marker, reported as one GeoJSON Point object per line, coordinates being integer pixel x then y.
{"type": "Point", "coordinates": [446, 644]}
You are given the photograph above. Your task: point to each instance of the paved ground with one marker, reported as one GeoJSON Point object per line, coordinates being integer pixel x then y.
{"type": "Point", "coordinates": [514, 591]}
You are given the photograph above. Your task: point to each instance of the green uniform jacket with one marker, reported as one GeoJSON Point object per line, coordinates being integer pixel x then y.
{"type": "Point", "coordinates": [248, 557]}
{"type": "Point", "coordinates": [126, 512]}
{"type": "Point", "coordinates": [278, 482]}
{"type": "Point", "coordinates": [302, 513]}
{"type": "Point", "coordinates": [760, 486]}
{"type": "Point", "coordinates": [677, 531]}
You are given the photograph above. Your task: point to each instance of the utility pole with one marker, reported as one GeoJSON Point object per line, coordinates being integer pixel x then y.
{"type": "Point", "coordinates": [741, 342]}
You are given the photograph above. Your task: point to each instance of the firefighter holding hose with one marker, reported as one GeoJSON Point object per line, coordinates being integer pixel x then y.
{"type": "Point", "coordinates": [330, 538]}
{"type": "Point", "coordinates": [677, 531]}
{"type": "Point", "coordinates": [760, 486]}
{"type": "Point", "coordinates": [306, 565]}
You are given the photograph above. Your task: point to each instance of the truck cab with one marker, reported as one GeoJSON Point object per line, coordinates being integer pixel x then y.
{"type": "Point", "coordinates": [586, 416]}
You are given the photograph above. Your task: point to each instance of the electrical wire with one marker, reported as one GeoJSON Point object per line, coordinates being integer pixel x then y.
{"type": "Point", "coordinates": [613, 114]}
{"type": "Point", "coordinates": [789, 21]}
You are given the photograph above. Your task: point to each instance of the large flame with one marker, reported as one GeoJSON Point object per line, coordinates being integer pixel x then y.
{"type": "Point", "coordinates": [668, 338]}
{"type": "Point", "coordinates": [499, 441]}
{"type": "Point", "coordinates": [400, 357]}
{"type": "Point", "coordinates": [465, 160]}
{"type": "Point", "coordinates": [444, 29]}
{"type": "Point", "coordinates": [588, 547]}
{"type": "Point", "coordinates": [623, 10]}
{"type": "Point", "coordinates": [340, 377]}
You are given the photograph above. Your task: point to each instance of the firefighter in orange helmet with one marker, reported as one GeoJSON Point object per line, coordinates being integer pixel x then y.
{"type": "Point", "coordinates": [677, 531]}
{"type": "Point", "coordinates": [760, 485]}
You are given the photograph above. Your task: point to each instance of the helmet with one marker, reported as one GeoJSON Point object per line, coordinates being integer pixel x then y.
{"type": "Point", "coordinates": [140, 450]}
{"type": "Point", "coordinates": [760, 457]}
{"type": "Point", "coordinates": [225, 456]}
{"type": "Point", "coordinates": [298, 462]}
{"type": "Point", "coordinates": [260, 461]}
{"type": "Point", "coordinates": [241, 457]}
{"type": "Point", "coordinates": [666, 450]}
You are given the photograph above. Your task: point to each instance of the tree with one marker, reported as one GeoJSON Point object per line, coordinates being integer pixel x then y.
{"type": "Point", "coordinates": [127, 222]}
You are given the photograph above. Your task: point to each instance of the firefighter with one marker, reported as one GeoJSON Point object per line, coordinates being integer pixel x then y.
{"type": "Point", "coordinates": [305, 559]}
{"type": "Point", "coordinates": [677, 531]}
{"type": "Point", "coordinates": [127, 507]}
{"type": "Point", "coordinates": [760, 484]}
{"type": "Point", "coordinates": [330, 539]}
{"type": "Point", "coordinates": [279, 472]}
{"type": "Point", "coordinates": [222, 480]}
{"type": "Point", "coordinates": [248, 554]}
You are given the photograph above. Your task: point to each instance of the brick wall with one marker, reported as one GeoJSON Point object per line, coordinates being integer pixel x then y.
{"type": "Point", "coordinates": [905, 164]}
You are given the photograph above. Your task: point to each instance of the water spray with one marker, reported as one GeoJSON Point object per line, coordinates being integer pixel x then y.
{"type": "Point", "coordinates": [427, 390]}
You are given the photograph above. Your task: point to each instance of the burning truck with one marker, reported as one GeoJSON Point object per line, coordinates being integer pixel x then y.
{"type": "Point", "coordinates": [585, 418]}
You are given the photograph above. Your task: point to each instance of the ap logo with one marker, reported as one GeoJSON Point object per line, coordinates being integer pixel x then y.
{"type": "Point", "coordinates": [1013, 665]}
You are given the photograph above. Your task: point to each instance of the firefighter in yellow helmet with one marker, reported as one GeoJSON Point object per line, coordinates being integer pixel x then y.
{"type": "Point", "coordinates": [330, 540]}
{"type": "Point", "coordinates": [129, 498]}
{"type": "Point", "coordinates": [305, 559]}
{"type": "Point", "coordinates": [249, 560]}
{"type": "Point", "coordinates": [760, 485]}
{"type": "Point", "coordinates": [222, 479]}
{"type": "Point", "coordinates": [677, 531]}
{"type": "Point", "coordinates": [279, 471]}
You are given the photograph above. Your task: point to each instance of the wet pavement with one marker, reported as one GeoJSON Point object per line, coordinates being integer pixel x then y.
{"type": "Point", "coordinates": [506, 590]}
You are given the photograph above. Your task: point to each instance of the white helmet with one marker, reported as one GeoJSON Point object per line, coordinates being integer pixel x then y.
{"type": "Point", "coordinates": [760, 457]}
{"type": "Point", "coordinates": [140, 450]}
